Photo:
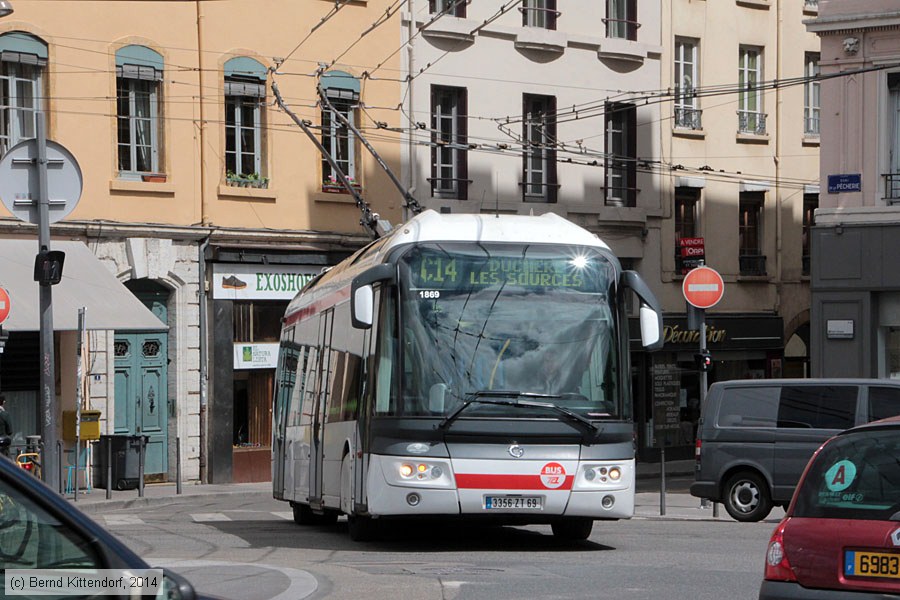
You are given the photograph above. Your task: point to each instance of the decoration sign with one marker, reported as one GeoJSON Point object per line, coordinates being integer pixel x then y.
{"type": "Point", "coordinates": [255, 356]}
{"type": "Point", "coordinates": [703, 287]}
{"type": "Point", "coordinates": [260, 282]}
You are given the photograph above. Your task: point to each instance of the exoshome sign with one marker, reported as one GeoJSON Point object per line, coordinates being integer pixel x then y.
{"type": "Point", "coordinates": [260, 282]}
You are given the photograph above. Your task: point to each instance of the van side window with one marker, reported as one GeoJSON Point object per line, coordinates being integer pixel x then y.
{"type": "Point", "coordinates": [818, 406]}
{"type": "Point", "coordinates": [883, 402]}
{"type": "Point", "coordinates": [748, 407]}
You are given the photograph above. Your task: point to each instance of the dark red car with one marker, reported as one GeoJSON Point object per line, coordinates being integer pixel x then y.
{"type": "Point", "coordinates": [840, 538]}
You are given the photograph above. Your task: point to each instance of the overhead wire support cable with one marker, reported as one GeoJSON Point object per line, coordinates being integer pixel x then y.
{"type": "Point", "coordinates": [411, 203]}
{"type": "Point", "coordinates": [371, 221]}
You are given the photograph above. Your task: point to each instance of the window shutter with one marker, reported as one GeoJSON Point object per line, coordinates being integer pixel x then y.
{"type": "Point", "coordinates": [462, 110]}
{"type": "Point", "coordinates": [245, 88]}
{"type": "Point", "coordinates": [435, 92]}
{"type": "Point", "coordinates": [526, 147]}
{"type": "Point", "coordinates": [550, 125]}
{"type": "Point", "coordinates": [127, 71]}
{"type": "Point", "coordinates": [631, 137]}
{"type": "Point", "coordinates": [631, 15]}
{"type": "Point", "coordinates": [551, 15]}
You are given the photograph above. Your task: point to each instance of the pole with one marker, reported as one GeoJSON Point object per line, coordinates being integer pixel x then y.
{"type": "Point", "coordinates": [51, 466]}
{"type": "Point", "coordinates": [108, 467]}
{"type": "Point", "coordinates": [178, 465]}
{"type": "Point", "coordinates": [703, 382]}
{"type": "Point", "coordinates": [662, 480]}
{"type": "Point", "coordinates": [79, 396]}
{"type": "Point", "coordinates": [141, 467]}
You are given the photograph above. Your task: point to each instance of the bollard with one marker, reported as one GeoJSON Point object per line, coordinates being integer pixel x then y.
{"type": "Point", "coordinates": [178, 465]}
{"type": "Point", "coordinates": [715, 510]}
{"type": "Point", "coordinates": [108, 468]}
{"type": "Point", "coordinates": [662, 481]}
{"type": "Point", "coordinates": [141, 469]}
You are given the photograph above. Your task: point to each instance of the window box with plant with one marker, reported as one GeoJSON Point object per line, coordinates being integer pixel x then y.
{"type": "Point", "coordinates": [333, 185]}
{"type": "Point", "coordinates": [251, 180]}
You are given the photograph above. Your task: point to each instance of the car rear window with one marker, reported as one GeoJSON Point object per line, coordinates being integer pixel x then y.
{"type": "Point", "coordinates": [855, 476]}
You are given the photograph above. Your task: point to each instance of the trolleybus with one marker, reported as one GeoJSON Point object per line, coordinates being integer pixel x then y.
{"type": "Point", "coordinates": [462, 366]}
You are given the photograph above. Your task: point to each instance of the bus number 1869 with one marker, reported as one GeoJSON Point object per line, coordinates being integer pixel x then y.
{"type": "Point", "coordinates": [429, 294]}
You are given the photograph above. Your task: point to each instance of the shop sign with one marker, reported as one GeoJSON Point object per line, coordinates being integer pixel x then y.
{"type": "Point", "coordinates": [666, 381]}
{"type": "Point", "coordinates": [839, 329]}
{"type": "Point", "coordinates": [675, 334]}
{"type": "Point", "coordinates": [260, 282]}
{"type": "Point", "coordinates": [255, 356]}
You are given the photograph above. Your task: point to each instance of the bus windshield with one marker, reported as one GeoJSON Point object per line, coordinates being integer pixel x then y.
{"type": "Point", "coordinates": [536, 321]}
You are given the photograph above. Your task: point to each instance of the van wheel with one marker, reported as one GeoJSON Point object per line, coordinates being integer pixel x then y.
{"type": "Point", "coordinates": [574, 529]}
{"type": "Point", "coordinates": [747, 498]}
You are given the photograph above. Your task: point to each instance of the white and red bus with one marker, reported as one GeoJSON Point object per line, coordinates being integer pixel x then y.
{"type": "Point", "coordinates": [462, 366]}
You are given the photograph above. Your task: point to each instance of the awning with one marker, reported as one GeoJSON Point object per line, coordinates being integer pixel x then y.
{"type": "Point", "coordinates": [85, 283]}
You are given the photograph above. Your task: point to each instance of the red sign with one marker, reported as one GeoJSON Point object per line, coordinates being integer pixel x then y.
{"type": "Point", "coordinates": [5, 304]}
{"type": "Point", "coordinates": [685, 242]}
{"type": "Point", "coordinates": [703, 287]}
{"type": "Point", "coordinates": [692, 247]}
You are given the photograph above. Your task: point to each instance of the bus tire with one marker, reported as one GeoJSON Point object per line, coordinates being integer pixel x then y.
{"type": "Point", "coordinates": [303, 514]}
{"type": "Point", "coordinates": [362, 529]}
{"type": "Point", "coordinates": [573, 529]}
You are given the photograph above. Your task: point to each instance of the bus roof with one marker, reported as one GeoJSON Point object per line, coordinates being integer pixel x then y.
{"type": "Point", "coordinates": [430, 226]}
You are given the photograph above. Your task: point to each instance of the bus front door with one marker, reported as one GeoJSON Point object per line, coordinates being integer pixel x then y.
{"type": "Point", "coordinates": [316, 451]}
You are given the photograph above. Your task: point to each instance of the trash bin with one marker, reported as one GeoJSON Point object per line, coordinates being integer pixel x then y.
{"type": "Point", "coordinates": [126, 460]}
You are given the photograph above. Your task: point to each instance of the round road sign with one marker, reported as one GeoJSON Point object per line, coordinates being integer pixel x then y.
{"type": "Point", "coordinates": [19, 181]}
{"type": "Point", "coordinates": [703, 287]}
{"type": "Point", "coordinates": [5, 304]}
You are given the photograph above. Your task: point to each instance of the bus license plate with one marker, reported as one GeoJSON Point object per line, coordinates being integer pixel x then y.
{"type": "Point", "coordinates": [513, 502]}
{"type": "Point", "coordinates": [859, 563]}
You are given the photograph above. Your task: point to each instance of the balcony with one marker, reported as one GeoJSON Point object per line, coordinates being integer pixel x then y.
{"type": "Point", "coordinates": [752, 265]}
{"type": "Point", "coordinates": [892, 188]}
{"type": "Point", "coordinates": [688, 118]}
{"type": "Point", "coordinates": [752, 122]}
{"type": "Point", "coordinates": [539, 16]}
{"type": "Point", "coordinates": [622, 29]}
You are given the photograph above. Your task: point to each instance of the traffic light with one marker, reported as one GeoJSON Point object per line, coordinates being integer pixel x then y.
{"type": "Point", "coordinates": [48, 266]}
{"type": "Point", "coordinates": [704, 360]}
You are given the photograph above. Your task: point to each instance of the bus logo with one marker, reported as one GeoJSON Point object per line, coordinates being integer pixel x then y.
{"type": "Point", "coordinates": [553, 475]}
{"type": "Point", "coordinates": [516, 451]}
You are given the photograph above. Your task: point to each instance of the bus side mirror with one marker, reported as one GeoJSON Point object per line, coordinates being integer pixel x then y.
{"type": "Point", "coordinates": [362, 294]}
{"type": "Point", "coordinates": [651, 312]}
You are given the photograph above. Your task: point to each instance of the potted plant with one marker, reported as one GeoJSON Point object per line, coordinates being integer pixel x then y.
{"type": "Point", "coordinates": [252, 180]}
{"type": "Point", "coordinates": [332, 184]}
{"type": "Point", "coordinates": [153, 177]}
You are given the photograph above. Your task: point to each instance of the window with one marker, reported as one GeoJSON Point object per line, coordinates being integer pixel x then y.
{"type": "Point", "coordinates": [139, 72]}
{"type": "Point", "coordinates": [748, 407]}
{"type": "Point", "coordinates": [621, 154]}
{"type": "Point", "coordinates": [258, 321]}
{"type": "Point", "coordinates": [449, 157]}
{"type": "Point", "coordinates": [23, 59]}
{"type": "Point", "coordinates": [752, 262]}
{"type": "Point", "coordinates": [539, 13]}
{"type": "Point", "coordinates": [454, 8]}
{"type": "Point", "coordinates": [686, 202]}
{"type": "Point", "coordinates": [892, 178]}
{"type": "Point", "coordinates": [621, 19]}
{"type": "Point", "coordinates": [245, 100]}
{"type": "Point", "coordinates": [539, 156]}
{"type": "Point", "coordinates": [884, 402]}
{"type": "Point", "coordinates": [342, 90]}
{"type": "Point", "coordinates": [818, 406]}
{"type": "Point", "coordinates": [811, 95]}
{"type": "Point", "coordinates": [750, 116]}
{"type": "Point", "coordinates": [810, 204]}
{"type": "Point", "coordinates": [687, 115]}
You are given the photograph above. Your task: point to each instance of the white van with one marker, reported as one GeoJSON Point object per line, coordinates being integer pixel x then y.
{"type": "Point", "coordinates": [755, 436]}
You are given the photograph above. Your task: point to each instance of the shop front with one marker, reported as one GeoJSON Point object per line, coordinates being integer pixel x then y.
{"type": "Point", "coordinates": [666, 384]}
{"type": "Point", "coordinates": [249, 301]}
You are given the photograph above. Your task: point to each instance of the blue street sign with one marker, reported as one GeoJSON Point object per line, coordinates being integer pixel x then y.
{"type": "Point", "coordinates": [844, 183]}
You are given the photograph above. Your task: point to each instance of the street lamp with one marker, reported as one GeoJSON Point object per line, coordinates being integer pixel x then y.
{"type": "Point", "coordinates": [5, 8]}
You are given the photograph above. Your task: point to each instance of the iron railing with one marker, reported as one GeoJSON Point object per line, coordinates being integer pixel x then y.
{"type": "Point", "coordinates": [752, 264]}
{"type": "Point", "coordinates": [751, 121]}
{"type": "Point", "coordinates": [892, 187]}
{"type": "Point", "coordinates": [624, 29]}
{"type": "Point", "coordinates": [539, 16]}
{"type": "Point", "coordinates": [688, 118]}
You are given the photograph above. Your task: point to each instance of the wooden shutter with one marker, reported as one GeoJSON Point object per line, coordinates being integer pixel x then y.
{"type": "Point", "coordinates": [631, 15]}
{"type": "Point", "coordinates": [631, 140]}
{"type": "Point", "coordinates": [551, 15]}
{"type": "Point", "coordinates": [435, 91]}
{"type": "Point", "coordinates": [550, 125]}
{"type": "Point", "coordinates": [462, 110]}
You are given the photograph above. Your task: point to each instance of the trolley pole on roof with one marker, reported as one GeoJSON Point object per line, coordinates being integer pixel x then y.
{"type": "Point", "coordinates": [371, 221]}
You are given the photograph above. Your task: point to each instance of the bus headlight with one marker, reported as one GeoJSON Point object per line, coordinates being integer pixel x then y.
{"type": "Point", "coordinates": [602, 477]}
{"type": "Point", "coordinates": [418, 472]}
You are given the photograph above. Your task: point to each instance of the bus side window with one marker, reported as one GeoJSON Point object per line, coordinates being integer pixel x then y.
{"type": "Point", "coordinates": [307, 399]}
{"type": "Point", "coordinates": [297, 392]}
{"type": "Point", "coordinates": [385, 351]}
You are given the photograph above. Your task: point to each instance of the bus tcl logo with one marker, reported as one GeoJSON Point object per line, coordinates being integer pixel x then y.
{"type": "Point", "coordinates": [553, 475]}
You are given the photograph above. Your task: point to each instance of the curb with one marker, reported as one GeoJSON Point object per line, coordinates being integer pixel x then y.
{"type": "Point", "coordinates": [96, 506]}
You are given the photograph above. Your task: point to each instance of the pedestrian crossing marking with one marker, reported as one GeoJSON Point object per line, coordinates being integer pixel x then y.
{"type": "Point", "coordinates": [206, 517]}
{"type": "Point", "coordinates": [288, 515]}
{"type": "Point", "coordinates": [123, 520]}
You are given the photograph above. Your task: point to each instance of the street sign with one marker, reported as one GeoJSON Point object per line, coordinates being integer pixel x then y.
{"type": "Point", "coordinates": [5, 305]}
{"type": "Point", "coordinates": [851, 182]}
{"type": "Point", "coordinates": [703, 287]}
{"type": "Point", "coordinates": [19, 181]}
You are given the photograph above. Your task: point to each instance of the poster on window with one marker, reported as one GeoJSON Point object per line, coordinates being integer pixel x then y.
{"type": "Point", "coordinates": [260, 282]}
{"type": "Point", "coordinates": [255, 356]}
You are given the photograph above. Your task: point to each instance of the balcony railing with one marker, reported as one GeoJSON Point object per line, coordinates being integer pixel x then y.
{"type": "Point", "coordinates": [539, 16]}
{"type": "Point", "coordinates": [892, 188]}
{"type": "Point", "coordinates": [621, 28]}
{"type": "Point", "coordinates": [750, 121]}
{"type": "Point", "coordinates": [688, 118]}
{"type": "Point", "coordinates": [811, 4]}
{"type": "Point", "coordinates": [752, 264]}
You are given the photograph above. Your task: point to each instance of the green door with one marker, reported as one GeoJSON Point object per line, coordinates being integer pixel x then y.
{"type": "Point", "coordinates": [141, 385]}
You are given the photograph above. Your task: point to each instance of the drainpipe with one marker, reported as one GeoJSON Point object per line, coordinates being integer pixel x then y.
{"type": "Point", "coordinates": [204, 354]}
{"type": "Point", "coordinates": [411, 148]}
{"type": "Point", "coordinates": [204, 213]}
{"type": "Point", "coordinates": [779, 192]}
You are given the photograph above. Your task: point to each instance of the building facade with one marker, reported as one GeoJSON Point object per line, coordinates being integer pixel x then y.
{"type": "Point", "coordinates": [855, 321]}
{"type": "Point", "coordinates": [202, 197]}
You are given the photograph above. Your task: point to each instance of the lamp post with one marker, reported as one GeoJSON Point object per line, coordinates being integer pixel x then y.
{"type": "Point", "coordinates": [6, 8]}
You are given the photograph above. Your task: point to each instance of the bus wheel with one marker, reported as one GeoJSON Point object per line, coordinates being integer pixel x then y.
{"type": "Point", "coordinates": [574, 529]}
{"type": "Point", "coordinates": [303, 514]}
{"type": "Point", "coordinates": [362, 529]}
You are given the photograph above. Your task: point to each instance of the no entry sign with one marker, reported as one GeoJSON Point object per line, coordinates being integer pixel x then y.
{"type": "Point", "coordinates": [5, 304]}
{"type": "Point", "coordinates": [703, 287]}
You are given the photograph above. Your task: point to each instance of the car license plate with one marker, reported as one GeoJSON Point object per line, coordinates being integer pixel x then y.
{"type": "Point", "coordinates": [513, 502]}
{"type": "Point", "coordinates": [860, 563]}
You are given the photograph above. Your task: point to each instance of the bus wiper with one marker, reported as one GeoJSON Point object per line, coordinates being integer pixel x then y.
{"type": "Point", "coordinates": [589, 431]}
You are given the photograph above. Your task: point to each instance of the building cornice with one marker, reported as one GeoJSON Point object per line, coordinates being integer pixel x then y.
{"type": "Point", "coordinates": [837, 24]}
